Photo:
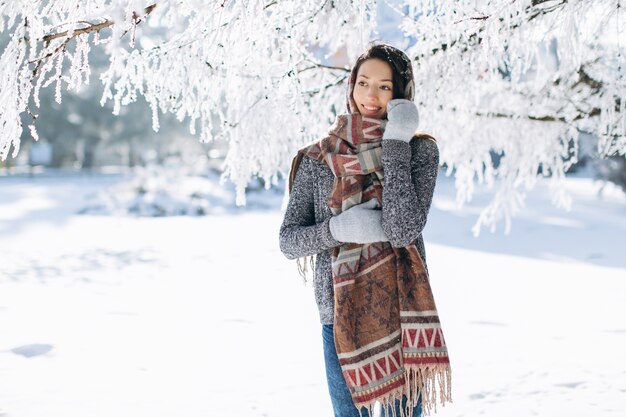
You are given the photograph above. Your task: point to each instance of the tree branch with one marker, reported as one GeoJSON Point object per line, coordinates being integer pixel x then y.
{"type": "Point", "coordinates": [546, 9]}
{"type": "Point", "coordinates": [592, 113]}
{"type": "Point", "coordinates": [313, 92]}
{"type": "Point", "coordinates": [310, 18]}
{"type": "Point", "coordinates": [48, 38]}
{"type": "Point", "coordinates": [472, 18]}
{"type": "Point", "coordinates": [96, 27]}
{"type": "Point", "coordinates": [88, 29]}
{"type": "Point", "coordinates": [476, 35]}
{"type": "Point", "coordinates": [316, 65]}
{"type": "Point", "coordinates": [584, 78]}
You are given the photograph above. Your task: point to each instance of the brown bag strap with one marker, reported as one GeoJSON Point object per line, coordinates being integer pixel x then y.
{"type": "Point", "coordinates": [294, 168]}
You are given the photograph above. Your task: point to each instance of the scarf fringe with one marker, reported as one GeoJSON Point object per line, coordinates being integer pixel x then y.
{"type": "Point", "coordinates": [303, 267]}
{"type": "Point", "coordinates": [424, 384]}
{"type": "Point", "coordinates": [419, 382]}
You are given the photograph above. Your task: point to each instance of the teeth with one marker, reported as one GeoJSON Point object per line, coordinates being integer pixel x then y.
{"type": "Point", "coordinates": [371, 108]}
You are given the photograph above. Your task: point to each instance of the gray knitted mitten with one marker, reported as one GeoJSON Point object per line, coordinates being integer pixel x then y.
{"type": "Point", "coordinates": [359, 224]}
{"type": "Point", "coordinates": [403, 120]}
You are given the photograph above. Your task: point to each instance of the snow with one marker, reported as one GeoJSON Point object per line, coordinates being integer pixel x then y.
{"type": "Point", "coordinates": [175, 190]}
{"type": "Point", "coordinates": [524, 79]}
{"type": "Point", "coordinates": [203, 316]}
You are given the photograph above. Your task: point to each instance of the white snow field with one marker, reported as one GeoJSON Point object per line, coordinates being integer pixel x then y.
{"type": "Point", "coordinates": [104, 316]}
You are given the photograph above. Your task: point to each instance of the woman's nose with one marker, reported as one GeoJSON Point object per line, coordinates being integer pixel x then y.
{"type": "Point", "coordinates": [372, 92]}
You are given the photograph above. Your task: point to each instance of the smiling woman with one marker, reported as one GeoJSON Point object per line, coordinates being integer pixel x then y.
{"type": "Point", "coordinates": [374, 88]}
{"type": "Point", "coordinates": [381, 332]}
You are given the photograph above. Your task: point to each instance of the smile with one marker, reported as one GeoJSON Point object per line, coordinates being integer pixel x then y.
{"type": "Point", "coordinates": [371, 108]}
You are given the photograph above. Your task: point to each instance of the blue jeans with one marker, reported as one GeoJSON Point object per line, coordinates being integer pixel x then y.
{"type": "Point", "coordinates": [339, 392]}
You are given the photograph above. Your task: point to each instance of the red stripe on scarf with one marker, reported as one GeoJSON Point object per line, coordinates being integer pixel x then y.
{"type": "Point", "coordinates": [364, 398]}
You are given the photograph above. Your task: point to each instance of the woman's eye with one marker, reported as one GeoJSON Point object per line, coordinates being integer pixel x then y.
{"type": "Point", "coordinates": [386, 87]}
{"type": "Point", "coordinates": [361, 82]}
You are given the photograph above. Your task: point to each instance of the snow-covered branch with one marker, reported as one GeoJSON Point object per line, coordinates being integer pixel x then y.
{"type": "Point", "coordinates": [518, 78]}
{"type": "Point", "coordinates": [511, 78]}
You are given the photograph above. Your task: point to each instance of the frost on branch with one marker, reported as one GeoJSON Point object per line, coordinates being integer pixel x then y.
{"type": "Point", "coordinates": [522, 80]}
{"type": "Point", "coordinates": [519, 79]}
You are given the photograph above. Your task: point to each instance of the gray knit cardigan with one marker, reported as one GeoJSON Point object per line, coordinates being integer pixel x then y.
{"type": "Point", "coordinates": [410, 173]}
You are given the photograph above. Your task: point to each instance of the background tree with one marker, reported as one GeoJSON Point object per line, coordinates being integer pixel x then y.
{"type": "Point", "coordinates": [517, 79]}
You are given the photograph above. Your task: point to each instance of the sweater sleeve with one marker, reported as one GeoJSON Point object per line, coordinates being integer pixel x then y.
{"type": "Point", "coordinates": [410, 173]}
{"type": "Point", "coordinates": [299, 234]}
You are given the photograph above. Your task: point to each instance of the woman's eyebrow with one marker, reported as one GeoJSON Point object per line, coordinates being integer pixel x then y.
{"type": "Point", "coordinates": [365, 76]}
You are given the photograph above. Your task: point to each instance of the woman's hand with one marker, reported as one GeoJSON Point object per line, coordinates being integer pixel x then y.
{"type": "Point", "coordinates": [359, 224]}
{"type": "Point", "coordinates": [403, 120]}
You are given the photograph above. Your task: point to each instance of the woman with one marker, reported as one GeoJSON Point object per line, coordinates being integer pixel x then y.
{"type": "Point", "coordinates": [381, 332]}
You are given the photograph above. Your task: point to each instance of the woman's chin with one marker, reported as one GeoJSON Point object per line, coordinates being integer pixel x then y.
{"type": "Point", "coordinates": [372, 116]}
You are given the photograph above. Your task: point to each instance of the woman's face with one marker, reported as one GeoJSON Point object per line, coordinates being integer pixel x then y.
{"type": "Point", "coordinates": [373, 88]}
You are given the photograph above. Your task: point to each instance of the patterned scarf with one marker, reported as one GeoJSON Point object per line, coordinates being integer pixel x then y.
{"type": "Point", "coordinates": [387, 331]}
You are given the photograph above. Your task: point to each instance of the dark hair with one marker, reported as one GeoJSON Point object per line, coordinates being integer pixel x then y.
{"type": "Point", "coordinates": [401, 70]}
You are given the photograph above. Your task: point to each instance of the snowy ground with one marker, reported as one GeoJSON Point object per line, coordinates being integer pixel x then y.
{"type": "Point", "coordinates": [203, 316]}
